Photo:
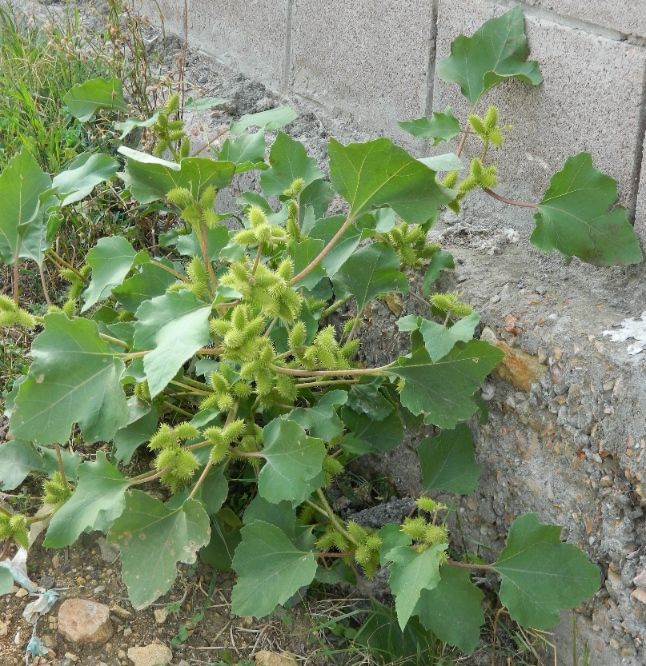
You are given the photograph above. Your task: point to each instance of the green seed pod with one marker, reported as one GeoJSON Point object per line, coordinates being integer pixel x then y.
{"type": "Point", "coordinates": [362, 555]}
{"type": "Point", "coordinates": [373, 543]}
{"type": "Point", "coordinates": [69, 308]}
{"type": "Point", "coordinates": [185, 149]}
{"type": "Point", "coordinates": [491, 118]}
{"type": "Point", "coordinates": [332, 466]}
{"type": "Point", "coordinates": [171, 105]}
{"type": "Point", "coordinates": [142, 391]}
{"type": "Point", "coordinates": [415, 528]}
{"type": "Point", "coordinates": [297, 335]}
{"type": "Point", "coordinates": [451, 179]}
{"type": "Point", "coordinates": [180, 196]}
{"type": "Point", "coordinates": [234, 431]}
{"type": "Point", "coordinates": [186, 431]}
{"type": "Point", "coordinates": [256, 216]}
{"type": "Point", "coordinates": [176, 124]}
{"type": "Point", "coordinates": [436, 534]}
{"type": "Point", "coordinates": [285, 269]}
{"type": "Point", "coordinates": [164, 438]}
{"type": "Point", "coordinates": [208, 198]}
{"type": "Point", "coordinates": [358, 533]}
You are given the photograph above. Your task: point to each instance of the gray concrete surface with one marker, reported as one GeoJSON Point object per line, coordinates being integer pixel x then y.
{"type": "Point", "coordinates": [627, 17]}
{"type": "Point", "coordinates": [369, 58]}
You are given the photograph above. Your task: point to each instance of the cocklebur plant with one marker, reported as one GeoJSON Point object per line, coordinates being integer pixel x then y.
{"type": "Point", "coordinates": [219, 360]}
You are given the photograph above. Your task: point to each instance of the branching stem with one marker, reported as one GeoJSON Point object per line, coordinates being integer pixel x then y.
{"type": "Point", "coordinates": [511, 202]}
{"type": "Point", "coordinates": [317, 260]}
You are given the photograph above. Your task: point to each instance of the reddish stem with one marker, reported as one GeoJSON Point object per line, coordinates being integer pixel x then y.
{"type": "Point", "coordinates": [522, 204]}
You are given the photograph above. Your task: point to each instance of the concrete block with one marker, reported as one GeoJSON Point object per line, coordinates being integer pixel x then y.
{"type": "Point", "coordinates": [625, 16]}
{"type": "Point", "coordinates": [591, 100]}
{"type": "Point", "coordinates": [249, 37]}
{"type": "Point", "coordinates": [640, 208]}
{"type": "Point", "coordinates": [367, 58]}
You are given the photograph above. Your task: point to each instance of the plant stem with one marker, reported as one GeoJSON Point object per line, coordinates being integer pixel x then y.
{"type": "Point", "coordinates": [5, 549]}
{"type": "Point", "coordinates": [144, 478]}
{"type": "Point", "coordinates": [204, 243]}
{"type": "Point", "coordinates": [43, 282]}
{"type": "Point", "coordinates": [16, 286]}
{"type": "Point", "coordinates": [205, 471]}
{"type": "Point", "coordinates": [58, 259]}
{"type": "Point", "coordinates": [331, 382]}
{"type": "Point", "coordinates": [61, 467]}
{"type": "Point", "coordinates": [316, 507]}
{"type": "Point", "coordinates": [217, 135]}
{"type": "Point", "coordinates": [327, 373]}
{"type": "Point", "coordinates": [257, 259]}
{"type": "Point", "coordinates": [335, 306]}
{"type": "Point", "coordinates": [193, 389]}
{"type": "Point", "coordinates": [317, 260]}
{"type": "Point", "coordinates": [130, 357]}
{"type": "Point", "coordinates": [511, 202]}
{"type": "Point", "coordinates": [177, 274]}
{"type": "Point", "coordinates": [195, 384]}
{"type": "Point", "coordinates": [177, 409]}
{"type": "Point", "coordinates": [245, 454]}
{"type": "Point", "coordinates": [465, 134]}
{"type": "Point", "coordinates": [114, 341]}
{"type": "Point", "coordinates": [464, 565]}
{"type": "Point", "coordinates": [210, 351]}
{"type": "Point", "coordinates": [328, 554]}
{"type": "Point", "coordinates": [333, 518]}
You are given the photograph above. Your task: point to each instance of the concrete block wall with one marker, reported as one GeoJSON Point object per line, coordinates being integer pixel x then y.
{"type": "Point", "coordinates": [572, 448]}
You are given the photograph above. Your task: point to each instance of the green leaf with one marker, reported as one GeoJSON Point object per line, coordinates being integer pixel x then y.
{"type": "Point", "coordinates": [540, 575]}
{"type": "Point", "coordinates": [85, 99]}
{"type": "Point", "coordinates": [439, 340]}
{"type": "Point", "coordinates": [151, 281]}
{"type": "Point", "coordinates": [321, 420]}
{"type": "Point", "coordinates": [448, 461]}
{"type": "Point", "coordinates": [288, 160]}
{"type": "Point", "coordinates": [6, 581]}
{"type": "Point", "coordinates": [282, 515]}
{"type": "Point", "coordinates": [574, 217]}
{"type": "Point", "coordinates": [441, 127]}
{"type": "Point", "coordinates": [17, 459]}
{"type": "Point", "coordinates": [443, 390]}
{"type": "Point", "coordinates": [203, 103]}
{"type": "Point", "coordinates": [75, 378]}
{"type": "Point", "coordinates": [270, 570]}
{"type": "Point", "coordinates": [444, 162]}
{"type": "Point", "coordinates": [371, 270]}
{"type": "Point", "coordinates": [388, 644]}
{"type": "Point", "coordinates": [366, 398]}
{"type": "Point", "coordinates": [174, 326]}
{"type": "Point", "coordinates": [376, 173]}
{"type": "Point", "coordinates": [82, 175]}
{"type": "Point", "coordinates": [71, 462]}
{"type": "Point", "coordinates": [246, 149]}
{"type": "Point", "coordinates": [272, 119]}
{"type": "Point", "coordinates": [111, 260]}
{"type": "Point", "coordinates": [216, 239]}
{"type": "Point", "coordinates": [496, 52]}
{"type": "Point", "coordinates": [150, 178]}
{"type": "Point", "coordinates": [129, 124]}
{"type": "Point", "coordinates": [439, 261]}
{"type": "Point", "coordinates": [453, 610]}
{"type": "Point", "coordinates": [291, 460]}
{"type": "Point", "coordinates": [225, 537]}
{"type": "Point", "coordinates": [324, 230]}
{"type": "Point", "coordinates": [142, 424]}
{"type": "Point", "coordinates": [391, 537]}
{"type": "Point", "coordinates": [383, 435]}
{"type": "Point", "coordinates": [303, 253]}
{"type": "Point", "coordinates": [152, 540]}
{"type": "Point", "coordinates": [316, 195]}
{"type": "Point", "coordinates": [21, 185]}
{"type": "Point", "coordinates": [410, 573]}
{"type": "Point", "coordinates": [99, 497]}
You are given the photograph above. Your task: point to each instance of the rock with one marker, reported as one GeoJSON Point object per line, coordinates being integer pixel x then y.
{"type": "Point", "coordinates": [21, 592]}
{"type": "Point", "coordinates": [161, 614]}
{"type": "Point", "coordinates": [640, 595]}
{"type": "Point", "coordinates": [267, 658]}
{"type": "Point", "coordinates": [120, 612]}
{"type": "Point", "coordinates": [150, 655]}
{"type": "Point", "coordinates": [109, 553]}
{"type": "Point", "coordinates": [518, 368]}
{"type": "Point", "coordinates": [83, 621]}
{"type": "Point", "coordinates": [640, 579]}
